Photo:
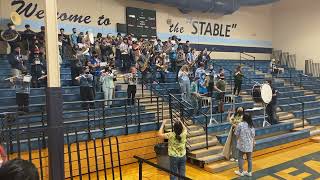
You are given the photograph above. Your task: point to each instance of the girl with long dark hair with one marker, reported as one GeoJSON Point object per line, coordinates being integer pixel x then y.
{"type": "Point", "coordinates": [245, 133]}
{"type": "Point", "coordinates": [176, 147]}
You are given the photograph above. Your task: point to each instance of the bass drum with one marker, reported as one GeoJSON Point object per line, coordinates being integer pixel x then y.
{"type": "Point", "coordinates": [262, 93]}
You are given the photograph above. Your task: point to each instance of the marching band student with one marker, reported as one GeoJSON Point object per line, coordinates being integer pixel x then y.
{"type": "Point", "coordinates": [245, 133]}
{"type": "Point", "coordinates": [125, 57]}
{"type": "Point", "coordinates": [161, 67]}
{"type": "Point", "coordinates": [16, 61]}
{"type": "Point", "coordinates": [132, 80]}
{"type": "Point", "coordinates": [220, 86]}
{"type": "Point", "coordinates": [86, 88]}
{"type": "Point", "coordinates": [200, 70]}
{"type": "Point", "coordinates": [184, 82]}
{"type": "Point", "coordinates": [271, 108]}
{"type": "Point", "coordinates": [203, 84]}
{"type": "Point", "coordinates": [238, 76]}
{"type": "Point", "coordinates": [37, 69]}
{"type": "Point", "coordinates": [94, 64]}
{"type": "Point", "coordinates": [107, 85]}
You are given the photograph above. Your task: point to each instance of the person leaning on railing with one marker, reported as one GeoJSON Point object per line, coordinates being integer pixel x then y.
{"type": "Point", "coordinates": [177, 140]}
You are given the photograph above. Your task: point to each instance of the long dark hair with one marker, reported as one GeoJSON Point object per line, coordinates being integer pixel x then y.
{"type": "Point", "coordinates": [248, 119]}
{"type": "Point", "coordinates": [177, 128]}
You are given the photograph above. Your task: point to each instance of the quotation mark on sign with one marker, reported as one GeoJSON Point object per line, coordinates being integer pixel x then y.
{"type": "Point", "coordinates": [234, 26]}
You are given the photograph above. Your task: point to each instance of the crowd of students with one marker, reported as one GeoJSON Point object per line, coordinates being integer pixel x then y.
{"type": "Point", "coordinates": [94, 62]}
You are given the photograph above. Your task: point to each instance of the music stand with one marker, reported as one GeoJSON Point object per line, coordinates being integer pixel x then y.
{"type": "Point", "coordinates": [212, 119]}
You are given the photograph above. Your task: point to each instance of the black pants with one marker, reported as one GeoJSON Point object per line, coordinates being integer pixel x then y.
{"type": "Point", "coordinates": [87, 94]}
{"type": "Point", "coordinates": [237, 87]}
{"type": "Point", "coordinates": [132, 89]}
{"type": "Point", "coordinates": [22, 101]}
{"type": "Point", "coordinates": [271, 110]}
{"type": "Point", "coordinates": [125, 62]}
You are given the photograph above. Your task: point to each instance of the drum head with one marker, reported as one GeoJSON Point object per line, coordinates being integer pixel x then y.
{"type": "Point", "coordinates": [266, 93]}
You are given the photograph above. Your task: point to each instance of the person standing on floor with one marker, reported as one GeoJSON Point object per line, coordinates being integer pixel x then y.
{"type": "Point", "coordinates": [176, 147]}
{"type": "Point", "coordinates": [271, 108]}
{"type": "Point", "coordinates": [86, 88]}
{"type": "Point", "coordinates": [184, 82]}
{"type": "Point", "coordinates": [245, 133]}
{"type": "Point", "coordinates": [234, 120]}
{"type": "Point", "coordinates": [238, 76]}
{"type": "Point", "coordinates": [107, 85]}
{"type": "Point", "coordinates": [132, 80]}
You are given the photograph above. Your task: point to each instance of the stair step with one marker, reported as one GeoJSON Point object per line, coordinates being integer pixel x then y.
{"type": "Point", "coordinates": [198, 139]}
{"type": "Point", "coordinates": [310, 128]}
{"type": "Point", "coordinates": [220, 166]}
{"type": "Point", "coordinates": [316, 139]}
{"type": "Point", "coordinates": [201, 153]}
{"type": "Point", "coordinates": [203, 144]}
{"type": "Point", "coordinates": [286, 117]}
{"type": "Point", "coordinates": [196, 133]}
{"type": "Point", "coordinates": [212, 158]}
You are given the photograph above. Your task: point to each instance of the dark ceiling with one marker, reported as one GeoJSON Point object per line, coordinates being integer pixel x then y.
{"type": "Point", "coordinates": [213, 6]}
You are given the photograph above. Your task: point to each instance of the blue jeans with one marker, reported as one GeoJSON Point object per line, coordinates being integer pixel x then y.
{"type": "Point", "coordinates": [240, 160]}
{"type": "Point", "coordinates": [178, 165]}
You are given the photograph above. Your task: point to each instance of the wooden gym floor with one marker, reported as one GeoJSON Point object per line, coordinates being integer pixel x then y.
{"type": "Point", "coordinates": [298, 162]}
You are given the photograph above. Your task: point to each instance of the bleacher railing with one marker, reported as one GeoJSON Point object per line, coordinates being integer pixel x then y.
{"type": "Point", "coordinates": [86, 156]}
{"type": "Point", "coordinates": [246, 56]}
{"type": "Point", "coordinates": [141, 161]}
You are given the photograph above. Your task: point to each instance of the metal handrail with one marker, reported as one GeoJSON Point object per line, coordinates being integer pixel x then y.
{"type": "Point", "coordinates": [254, 59]}
{"type": "Point", "coordinates": [141, 161]}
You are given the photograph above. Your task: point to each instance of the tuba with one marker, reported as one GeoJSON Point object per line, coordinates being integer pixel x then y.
{"type": "Point", "coordinates": [11, 34]}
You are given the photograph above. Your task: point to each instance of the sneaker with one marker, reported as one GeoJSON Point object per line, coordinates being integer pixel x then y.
{"type": "Point", "coordinates": [239, 173]}
{"type": "Point", "coordinates": [247, 173]}
{"type": "Point", "coordinates": [232, 159]}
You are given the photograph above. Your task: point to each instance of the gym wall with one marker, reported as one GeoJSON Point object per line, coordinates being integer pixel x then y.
{"type": "Point", "coordinates": [248, 30]}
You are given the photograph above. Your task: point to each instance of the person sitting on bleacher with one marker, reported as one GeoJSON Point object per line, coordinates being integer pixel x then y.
{"type": "Point", "coordinates": [86, 88]}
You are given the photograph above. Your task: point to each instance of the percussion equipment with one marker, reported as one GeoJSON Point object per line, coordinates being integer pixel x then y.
{"type": "Point", "coordinates": [262, 93]}
{"type": "Point", "coordinates": [27, 78]}
{"type": "Point", "coordinates": [11, 34]}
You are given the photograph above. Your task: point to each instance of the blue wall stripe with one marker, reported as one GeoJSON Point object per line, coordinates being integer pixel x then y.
{"type": "Point", "coordinates": [222, 48]}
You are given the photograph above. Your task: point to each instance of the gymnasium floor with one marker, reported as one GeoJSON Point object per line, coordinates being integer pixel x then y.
{"type": "Point", "coordinates": [298, 162]}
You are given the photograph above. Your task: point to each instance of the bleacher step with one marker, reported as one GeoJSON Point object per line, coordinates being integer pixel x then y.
{"type": "Point", "coordinates": [285, 116]}
{"type": "Point", "coordinates": [196, 133]}
{"type": "Point", "coordinates": [309, 128]}
{"type": "Point", "coordinates": [220, 166]}
{"type": "Point", "coordinates": [198, 139]}
{"type": "Point", "coordinates": [203, 144]}
{"type": "Point", "coordinates": [315, 139]}
{"type": "Point", "coordinates": [201, 153]}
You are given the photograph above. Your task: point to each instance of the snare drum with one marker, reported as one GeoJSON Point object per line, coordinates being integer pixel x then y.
{"type": "Point", "coordinates": [262, 93]}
